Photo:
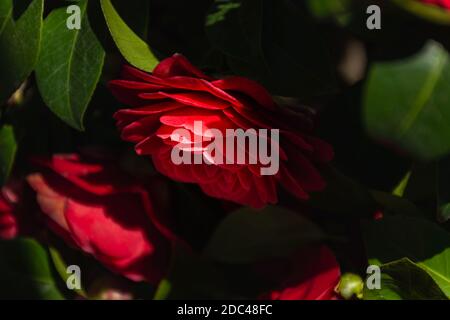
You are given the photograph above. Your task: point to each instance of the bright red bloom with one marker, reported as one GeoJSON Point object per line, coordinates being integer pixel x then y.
{"type": "Point", "coordinates": [177, 94]}
{"type": "Point", "coordinates": [441, 3]}
{"type": "Point", "coordinates": [99, 209]}
{"type": "Point", "coordinates": [312, 274]}
{"type": "Point", "coordinates": [8, 220]}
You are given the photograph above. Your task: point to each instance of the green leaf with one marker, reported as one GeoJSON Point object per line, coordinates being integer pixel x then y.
{"type": "Point", "coordinates": [19, 45]}
{"type": "Point", "coordinates": [335, 198]}
{"type": "Point", "coordinates": [443, 189]}
{"type": "Point", "coordinates": [193, 276]}
{"type": "Point", "coordinates": [322, 9]}
{"type": "Point", "coordinates": [220, 13]}
{"type": "Point", "coordinates": [6, 11]}
{"type": "Point", "coordinates": [234, 17]}
{"type": "Point", "coordinates": [163, 290]}
{"type": "Point", "coordinates": [422, 188]}
{"type": "Point", "coordinates": [25, 271]}
{"type": "Point", "coordinates": [133, 48]}
{"type": "Point", "coordinates": [69, 66]}
{"type": "Point", "coordinates": [197, 214]}
{"type": "Point", "coordinates": [8, 149]}
{"type": "Point", "coordinates": [404, 280]}
{"type": "Point", "coordinates": [406, 103]}
{"type": "Point", "coordinates": [392, 204]}
{"type": "Point", "coordinates": [248, 235]}
{"type": "Point", "coordinates": [423, 242]}
{"type": "Point", "coordinates": [61, 267]}
{"type": "Point", "coordinates": [135, 14]}
{"type": "Point", "coordinates": [399, 190]}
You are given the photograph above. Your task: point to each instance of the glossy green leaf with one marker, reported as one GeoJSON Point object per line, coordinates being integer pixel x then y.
{"type": "Point", "coordinates": [406, 103]}
{"type": "Point", "coordinates": [25, 271]}
{"type": "Point", "coordinates": [248, 235]}
{"type": "Point", "coordinates": [404, 280]}
{"type": "Point", "coordinates": [8, 149]}
{"type": "Point", "coordinates": [69, 66]}
{"type": "Point", "coordinates": [133, 48]}
{"type": "Point", "coordinates": [135, 14]}
{"type": "Point", "coordinates": [423, 242]}
{"type": "Point", "coordinates": [19, 44]}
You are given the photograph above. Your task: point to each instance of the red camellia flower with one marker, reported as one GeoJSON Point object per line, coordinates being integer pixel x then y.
{"type": "Point", "coordinates": [312, 274]}
{"type": "Point", "coordinates": [441, 3]}
{"type": "Point", "coordinates": [102, 211]}
{"type": "Point", "coordinates": [177, 95]}
{"type": "Point", "coordinates": [8, 219]}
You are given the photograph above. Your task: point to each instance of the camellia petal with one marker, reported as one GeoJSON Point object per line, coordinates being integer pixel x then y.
{"type": "Point", "coordinates": [102, 211]}
{"type": "Point", "coordinates": [312, 274]}
{"type": "Point", "coordinates": [230, 106]}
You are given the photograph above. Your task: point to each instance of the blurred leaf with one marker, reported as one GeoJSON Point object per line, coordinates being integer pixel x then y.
{"type": "Point", "coordinates": [192, 276]}
{"type": "Point", "coordinates": [94, 276]}
{"type": "Point", "coordinates": [406, 103]}
{"type": "Point", "coordinates": [171, 30]}
{"type": "Point", "coordinates": [222, 10]}
{"type": "Point", "coordinates": [338, 9]}
{"type": "Point", "coordinates": [393, 204]}
{"type": "Point", "coordinates": [248, 235]}
{"type": "Point", "coordinates": [356, 154]}
{"type": "Point", "coordinates": [423, 242]}
{"type": "Point", "coordinates": [323, 8]}
{"type": "Point", "coordinates": [232, 18]}
{"type": "Point", "coordinates": [443, 190]}
{"type": "Point", "coordinates": [25, 271]}
{"type": "Point", "coordinates": [404, 280]}
{"type": "Point", "coordinates": [399, 190]}
{"type": "Point", "coordinates": [275, 43]}
{"type": "Point", "coordinates": [61, 268]}
{"type": "Point", "coordinates": [133, 48]}
{"type": "Point", "coordinates": [428, 11]}
{"type": "Point", "coordinates": [196, 214]}
{"type": "Point", "coordinates": [337, 194]}
{"type": "Point", "coordinates": [163, 290]}
{"type": "Point", "coordinates": [8, 149]}
{"type": "Point", "coordinates": [19, 45]}
{"type": "Point", "coordinates": [422, 188]}
{"type": "Point", "coordinates": [69, 66]}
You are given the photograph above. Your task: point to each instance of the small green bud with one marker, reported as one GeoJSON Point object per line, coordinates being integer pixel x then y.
{"type": "Point", "coordinates": [350, 285]}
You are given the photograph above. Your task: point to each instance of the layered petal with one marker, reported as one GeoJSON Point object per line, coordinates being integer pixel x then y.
{"type": "Point", "coordinates": [312, 274]}
{"type": "Point", "coordinates": [8, 221]}
{"type": "Point", "coordinates": [103, 212]}
{"type": "Point", "coordinates": [11, 222]}
{"type": "Point", "coordinates": [224, 124]}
